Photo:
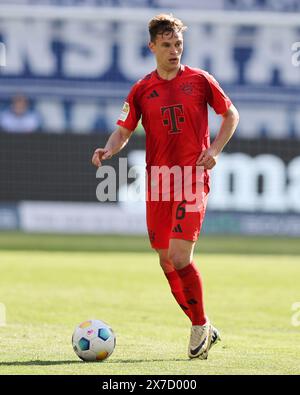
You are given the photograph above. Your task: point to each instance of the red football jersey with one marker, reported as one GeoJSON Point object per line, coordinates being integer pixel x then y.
{"type": "Point", "coordinates": [174, 114]}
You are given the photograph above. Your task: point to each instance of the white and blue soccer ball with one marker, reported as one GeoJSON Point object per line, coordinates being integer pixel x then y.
{"type": "Point", "coordinates": [93, 340]}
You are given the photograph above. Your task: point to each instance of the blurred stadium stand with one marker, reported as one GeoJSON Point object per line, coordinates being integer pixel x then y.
{"type": "Point", "coordinates": [76, 61]}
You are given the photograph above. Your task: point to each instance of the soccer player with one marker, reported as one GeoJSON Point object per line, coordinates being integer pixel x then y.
{"type": "Point", "coordinates": [172, 103]}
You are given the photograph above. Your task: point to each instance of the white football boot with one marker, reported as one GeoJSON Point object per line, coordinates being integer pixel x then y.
{"type": "Point", "coordinates": [214, 339]}
{"type": "Point", "coordinates": [203, 337]}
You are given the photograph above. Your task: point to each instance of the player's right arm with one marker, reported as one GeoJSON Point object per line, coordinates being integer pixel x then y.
{"type": "Point", "coordinates": [127, 123]}
{"type": "Point", "coordinates": [117, 140]}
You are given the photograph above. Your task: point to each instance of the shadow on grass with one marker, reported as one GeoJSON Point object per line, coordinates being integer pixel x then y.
{"type": "Point", "coordinates": [38, 363]}
{"type": "Point", "coordinates": [148, 360]}
{"type": "Point", "coordinates": [74, 362]}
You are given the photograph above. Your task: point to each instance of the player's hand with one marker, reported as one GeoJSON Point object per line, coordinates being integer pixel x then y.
{"type": "Point", "coordinates": [208, 158]}
{"type": "Point", "coordinates": [99, 155]}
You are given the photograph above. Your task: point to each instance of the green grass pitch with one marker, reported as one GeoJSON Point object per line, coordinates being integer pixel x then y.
{"type": "Point", "coordinates": [49, 284]}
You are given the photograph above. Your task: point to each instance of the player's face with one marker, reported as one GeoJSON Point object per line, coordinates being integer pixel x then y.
{"type": "Point", "coordinates": [167, 49]}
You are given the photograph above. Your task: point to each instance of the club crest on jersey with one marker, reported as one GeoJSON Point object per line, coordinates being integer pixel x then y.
{"type": "Point", "coordinates": [191, 89]}
{"type": "Point", "coordinates": [187, 88]}
{"type": "Point", "coordinates": [124, 112]}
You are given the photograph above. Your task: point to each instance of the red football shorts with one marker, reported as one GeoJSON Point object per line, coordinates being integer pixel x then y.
{"type": "Point", "coordinates": [173, 220]}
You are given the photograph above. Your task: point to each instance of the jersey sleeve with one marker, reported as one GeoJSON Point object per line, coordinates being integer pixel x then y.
{"type": "Point", "coordinates": [130, 113]}
{"type": "Point", "coordinates": [216, 97]}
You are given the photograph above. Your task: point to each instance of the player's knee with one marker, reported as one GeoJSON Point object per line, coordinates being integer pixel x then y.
{"type": "Point", "coordinates": [164, 261]}
{"type": "Point", "coordinates": [179, 259]}
{"type": "Point", "coordinates": [166, 265]}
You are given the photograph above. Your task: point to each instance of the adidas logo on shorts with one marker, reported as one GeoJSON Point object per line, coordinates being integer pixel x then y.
{"type": "Point", "coordinates": [177, 229]}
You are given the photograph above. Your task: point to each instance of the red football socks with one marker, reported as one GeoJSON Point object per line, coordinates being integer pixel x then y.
{"type": "Point", "coordinates": [176, 289]}
{"type": "Point", "coordinates": [193, 292]}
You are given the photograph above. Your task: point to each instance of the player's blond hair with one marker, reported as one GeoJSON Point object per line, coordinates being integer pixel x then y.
{"type": "Point", "coordinates": [165, 23]}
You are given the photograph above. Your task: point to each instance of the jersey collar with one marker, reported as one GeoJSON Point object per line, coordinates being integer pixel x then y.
{"type": "Point", "coordinates": [179, 72]}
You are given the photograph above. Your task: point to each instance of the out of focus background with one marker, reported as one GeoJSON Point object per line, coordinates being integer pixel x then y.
{"type": "Point", "coordinates": [65, 257]}
{"type": "Point", "coordinates": [68, 67]}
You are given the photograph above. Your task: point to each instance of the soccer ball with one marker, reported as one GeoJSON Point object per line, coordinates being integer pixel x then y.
{"type": "Point", "coordinates": [93, 340]}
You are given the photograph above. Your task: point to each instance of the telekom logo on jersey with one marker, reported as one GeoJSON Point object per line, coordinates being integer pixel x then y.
{"type": "Point", "coordinates": [163, 183]}
{"type": "Point", "coordinates": [174, 117]}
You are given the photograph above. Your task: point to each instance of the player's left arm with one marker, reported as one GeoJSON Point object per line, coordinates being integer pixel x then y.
{"type": "Point", "coordinates": [208, 158]}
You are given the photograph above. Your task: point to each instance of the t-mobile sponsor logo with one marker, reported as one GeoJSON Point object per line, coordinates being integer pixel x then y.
{"type": "Point", "coordinates": [172, 117]}
{"type": "Point", "coordinates": [2, 55]}
{"type": "Point", "coordinates": [163, 183]}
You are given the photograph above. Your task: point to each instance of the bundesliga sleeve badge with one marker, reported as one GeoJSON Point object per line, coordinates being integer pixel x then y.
{"type": "Point", "coordinates": [125, 111]}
